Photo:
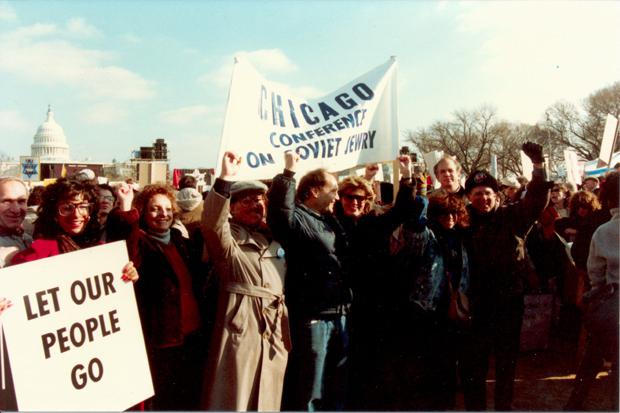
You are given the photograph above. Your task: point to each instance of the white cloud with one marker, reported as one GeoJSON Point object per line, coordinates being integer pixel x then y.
{"type": "Point", "coordinates": [13, 121]}
{"type": "Point", "coordinates": [267, 62]}
{"type": "Point", "coordinates": [132, 38]}
{"type": "Point", "coordinates": [31, 53]}
{"type": "Point", "coordinates": [540, 52]}
{"type": "Point", "coordinates": [186, 116]}
{"type": "Point", "coordinates": [7, 13]}
{"type": "Point", "coordinates": [104, 114]}
{"type": "Point", "coordinates": [219, 77]}
{"type": "Point", "coordinates": [77, 26]}
{"type": "Point", "coordinates": [26, 33]}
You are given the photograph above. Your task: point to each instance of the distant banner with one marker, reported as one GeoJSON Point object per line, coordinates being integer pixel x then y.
{"type": "Point", "coordinates": [431, 159]}
{"type": "Point", "coordinates": [493, 168]}
{"type": "Point", "coordinates": [609, 138]}
{"type": "Point", "coordinates": [73, 333]}
{"type": "Point", "coordinates": [30, 167]}
{"type": "Point", "coordinates": [354, 125]}
{"type": "Point", "coordinates": [573, 171]}
{"type": "Point", "coordinates": [526, 165]}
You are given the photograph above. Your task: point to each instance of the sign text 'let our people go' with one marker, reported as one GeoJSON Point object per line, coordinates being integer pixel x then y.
{"type": "Point", "coordinates": [73, 334]}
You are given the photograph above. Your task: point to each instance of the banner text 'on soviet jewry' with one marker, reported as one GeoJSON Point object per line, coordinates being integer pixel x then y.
{"type": "Point", "coordinates": [354, 125]}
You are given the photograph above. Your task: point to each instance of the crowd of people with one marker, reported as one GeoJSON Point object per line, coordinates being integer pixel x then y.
{"type": "Point", "coordinates": [313, 295]}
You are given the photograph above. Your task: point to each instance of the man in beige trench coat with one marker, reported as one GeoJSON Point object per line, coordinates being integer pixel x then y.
{"type": "Point", "coordinates": [251, 341]}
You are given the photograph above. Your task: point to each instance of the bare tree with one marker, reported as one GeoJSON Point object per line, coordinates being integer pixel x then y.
{"type": "Point", "coordinates": [582, 129]}
{"type": "Point", "coordinates": [469, 136]}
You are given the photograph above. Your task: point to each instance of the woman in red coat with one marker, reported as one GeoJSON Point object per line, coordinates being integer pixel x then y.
{"type": "Point", "coordinates": [66, 222]}
{"type": "Point", "coordinates": [170, 298]}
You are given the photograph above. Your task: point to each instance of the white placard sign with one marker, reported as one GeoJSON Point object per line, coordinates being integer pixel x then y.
{"type": "Point", "coordinates": [431, 159]}
{"type": "Point", "coordinates": [354, 125]}
{"type": "Point", "coordinates": [573, 172]}
{"type": "Point", "coordinates": [609, 135]}
{"type": "Point", "coordinates": [73, 333]}
{"type": "Point", "coordinates": [526, 165]}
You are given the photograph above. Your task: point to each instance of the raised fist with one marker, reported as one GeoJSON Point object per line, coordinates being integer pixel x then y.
{"type": "Point", "coordinates": [290, 160]}
{"type": "Point", "coordinates": [533, 151]}
{"type": "Point", "coordinates": [230, 165]}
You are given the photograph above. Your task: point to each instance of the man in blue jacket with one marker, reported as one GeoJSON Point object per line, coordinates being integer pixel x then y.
{"type": "Point", "coordinates": [317, 288]}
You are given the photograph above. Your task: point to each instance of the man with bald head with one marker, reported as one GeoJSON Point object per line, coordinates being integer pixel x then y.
{"type": "Point", "coordinates": [13, 200]}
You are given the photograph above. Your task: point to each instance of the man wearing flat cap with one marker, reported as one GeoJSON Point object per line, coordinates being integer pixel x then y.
{"type": "Point", "coordinates": [251, 341]}
{"type": "Point", "coordinates": [495, 244]}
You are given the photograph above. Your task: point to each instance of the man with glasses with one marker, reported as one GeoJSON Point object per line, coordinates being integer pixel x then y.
{"type": "Point", "coordinates": [251, 341]}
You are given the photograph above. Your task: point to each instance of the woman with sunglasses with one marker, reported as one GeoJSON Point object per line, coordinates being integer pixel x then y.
{"type": "Point", "coordinates": [66, 222]}
{"type": "Point", "coordinates": [368, 236]}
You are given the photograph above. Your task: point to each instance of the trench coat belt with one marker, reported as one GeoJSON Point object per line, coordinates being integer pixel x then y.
{"type": "Point", "coordinates": [281, 319]}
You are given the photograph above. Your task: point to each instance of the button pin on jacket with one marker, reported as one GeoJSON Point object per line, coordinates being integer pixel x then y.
{"type": "Point", "coordinates": [280, 252]}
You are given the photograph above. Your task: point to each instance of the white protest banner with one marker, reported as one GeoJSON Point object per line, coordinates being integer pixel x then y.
{"type": "Point", "coordinates": [526, 165]}
{"type": "Point", "coordinates": [573, 172]}
{"type": "Point", "coordinates": [73, 333]}
{"type": "Point", "coordinates": [609, 138]}
{"type": "Point", "coordinates": [354, 125]}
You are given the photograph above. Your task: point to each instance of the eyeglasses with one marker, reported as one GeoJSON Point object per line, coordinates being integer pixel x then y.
{"type": "Point", "coordinates": [249, 201]}
{"type": "Point", "coordinates": [108, 198]}
{"type": "Point", "coordinates": [358, 198]}
{"type": "Point", "coordinates": [66, 210]}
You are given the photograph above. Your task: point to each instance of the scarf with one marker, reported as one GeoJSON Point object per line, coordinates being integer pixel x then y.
{"type": "Point", "coordinates": [67, 244]}
{"type": "Point", "coordinates": [164, 237]}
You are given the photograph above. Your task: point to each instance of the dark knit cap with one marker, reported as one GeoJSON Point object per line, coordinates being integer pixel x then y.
{"type": "Point", "coordinates": [481, 178]}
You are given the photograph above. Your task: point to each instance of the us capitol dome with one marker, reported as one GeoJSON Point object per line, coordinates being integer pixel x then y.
{"type": "Point", "coordinates": [50, 142]}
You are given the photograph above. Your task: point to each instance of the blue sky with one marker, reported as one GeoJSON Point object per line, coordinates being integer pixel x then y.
{"type": "Point", "coordinates": [120, 74]}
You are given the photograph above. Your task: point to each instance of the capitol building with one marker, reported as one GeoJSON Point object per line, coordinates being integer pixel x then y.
{"type": "Point", "coordinates": [49, 159]}
{"type": "Point", "coordinates": [50, 143]}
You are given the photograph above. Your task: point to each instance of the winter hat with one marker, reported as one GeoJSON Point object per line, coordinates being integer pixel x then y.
{"type": "Point", "coordinates": [481, 178]}
{"type": "Point", "coordinates": [240, 188]}
{"type": "Point", "coordinates": [511, 182]}
{"type": "Point", "coordinates": [188, 199]}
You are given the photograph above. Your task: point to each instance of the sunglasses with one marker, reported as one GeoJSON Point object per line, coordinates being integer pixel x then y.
{"type": "Point", "coordinates": [351, 197]}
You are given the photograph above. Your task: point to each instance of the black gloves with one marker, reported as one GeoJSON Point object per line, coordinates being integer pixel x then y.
{"type": "Point", "coordinates": [533, 151]}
